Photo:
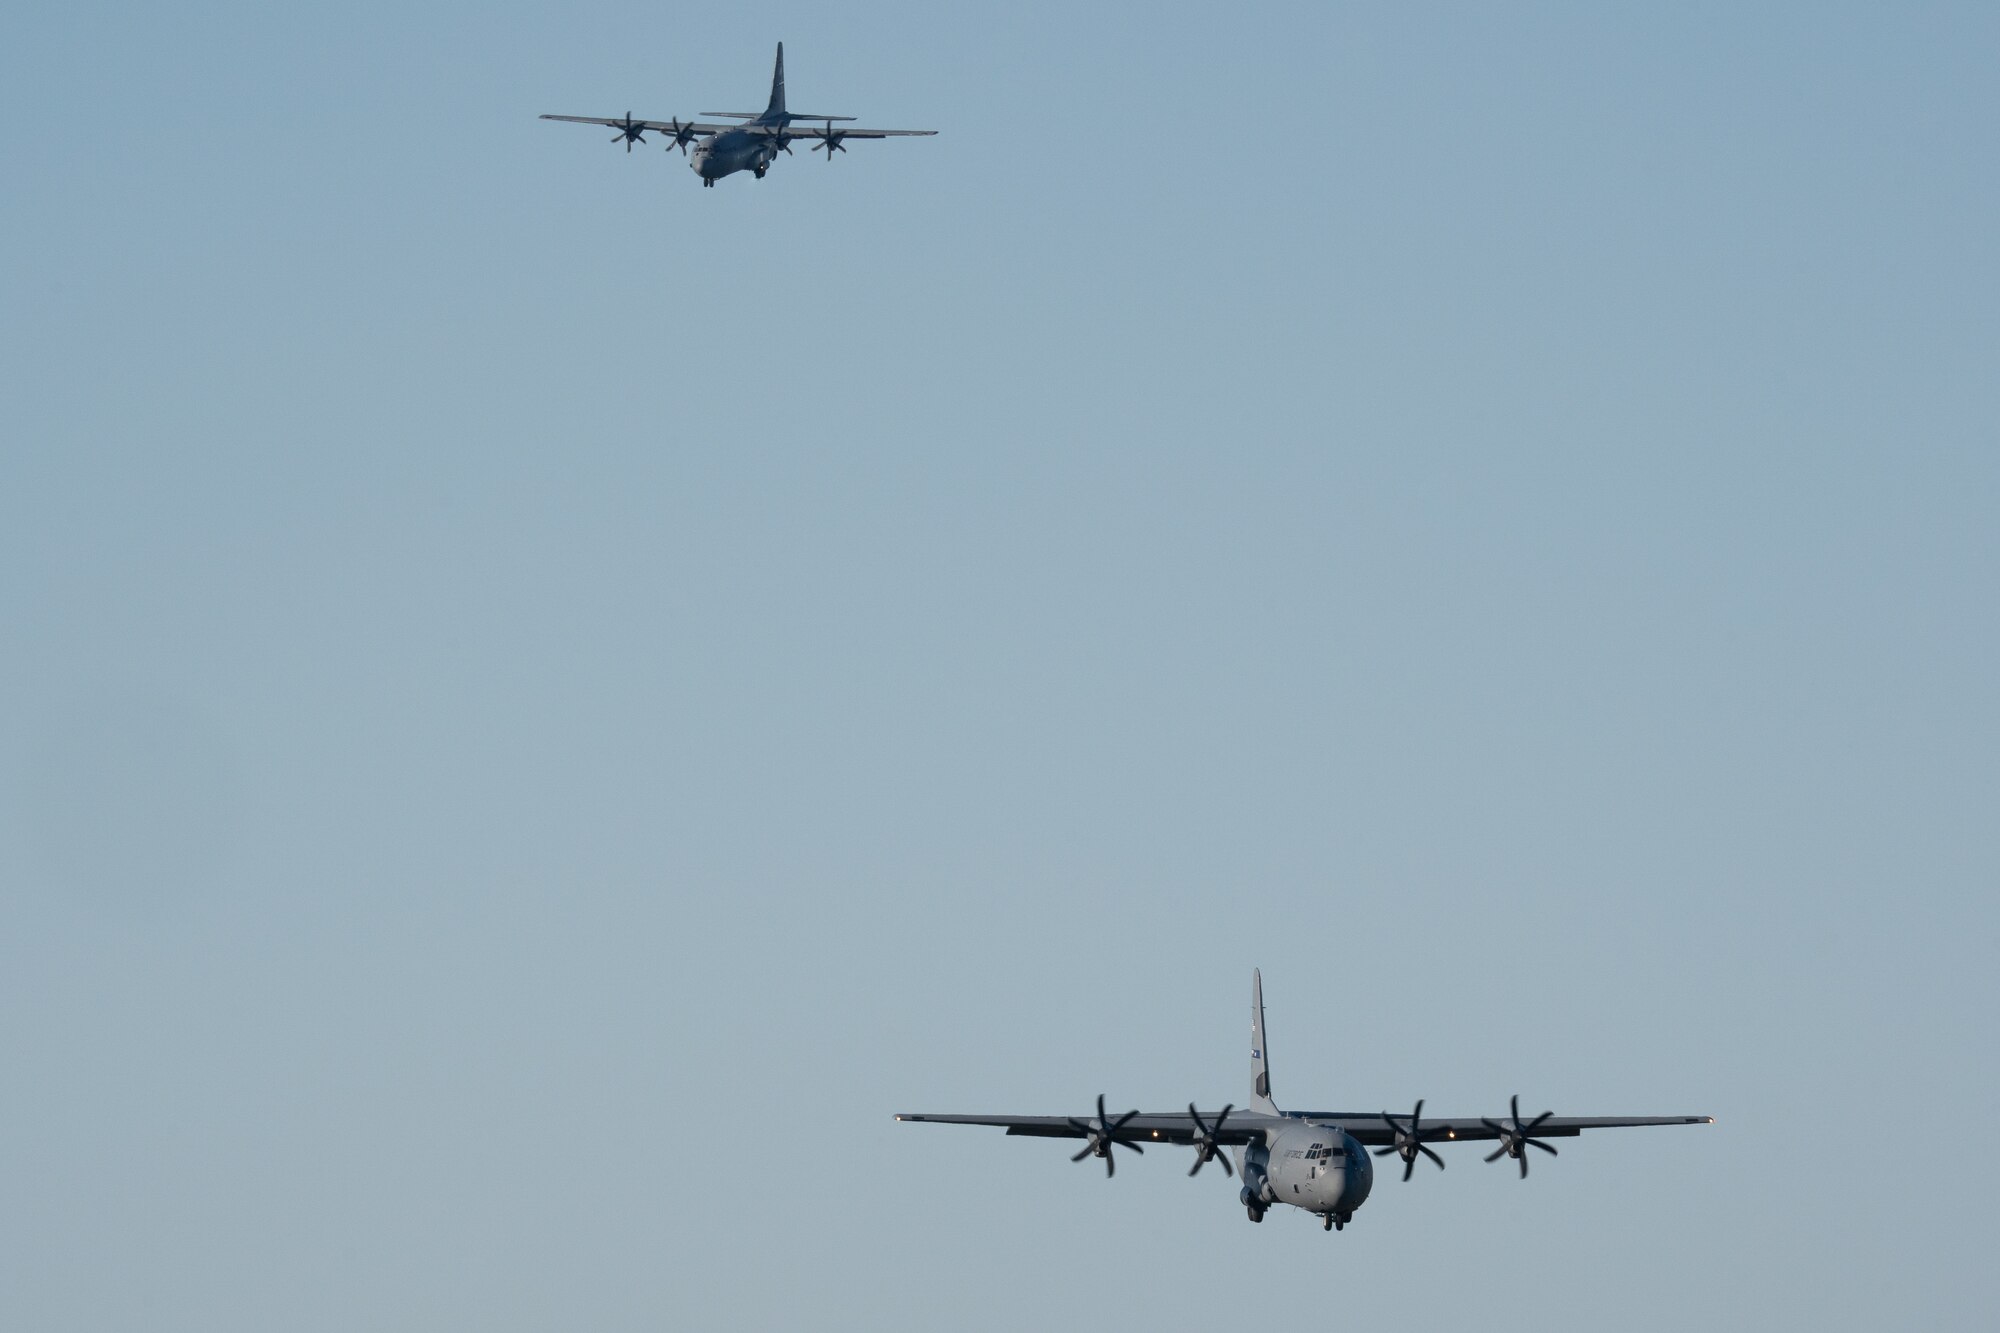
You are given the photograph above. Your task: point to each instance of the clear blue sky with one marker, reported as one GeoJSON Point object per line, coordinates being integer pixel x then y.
{"type": "Point", "coordinates": [540, 704]}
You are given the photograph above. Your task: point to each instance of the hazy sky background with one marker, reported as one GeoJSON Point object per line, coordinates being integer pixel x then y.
{"type": "Point", "coordinates": [540, 703]}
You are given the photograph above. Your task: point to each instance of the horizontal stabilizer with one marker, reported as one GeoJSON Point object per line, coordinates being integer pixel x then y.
{"type": "Point", "coordinates": [758, 115]}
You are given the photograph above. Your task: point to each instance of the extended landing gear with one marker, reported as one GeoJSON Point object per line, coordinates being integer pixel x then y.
{"type": "Point", "coordinates": [1333, 1221]}
{"type": "Point", "coordinates": [759, 171]}
{"type": "Point", "coordinates": [1256, 1213]}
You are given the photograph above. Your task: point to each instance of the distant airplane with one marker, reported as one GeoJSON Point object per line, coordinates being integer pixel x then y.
{"type": "Point", "coordinates": [1312, 1160]}
{"type": "Point", "coordinates": [752, 146]}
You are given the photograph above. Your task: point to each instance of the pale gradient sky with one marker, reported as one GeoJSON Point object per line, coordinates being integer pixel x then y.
{"type": "Point", "coordinates": [541, 703]}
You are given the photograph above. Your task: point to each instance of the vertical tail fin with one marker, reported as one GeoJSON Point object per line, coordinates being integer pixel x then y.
{"type": "Point", "coordinates": [778, 85]}
{"type": "Point", "coordinates": [1260, 1061]}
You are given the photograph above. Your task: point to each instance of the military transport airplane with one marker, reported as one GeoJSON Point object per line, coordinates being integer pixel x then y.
{"type": "Point", "coordinates": [1312, 1160]}
{"type": "Point", "coordinates": [720, 150]}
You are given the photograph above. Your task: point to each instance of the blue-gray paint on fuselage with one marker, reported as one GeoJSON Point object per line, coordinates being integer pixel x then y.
{"type": "Point", "coordinates": [729, 152]}
{"type": "Point", "coordinates": [1318, 1168]}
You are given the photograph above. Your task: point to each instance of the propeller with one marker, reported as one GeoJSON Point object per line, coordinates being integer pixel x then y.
{"type": "Point", "coordinates": [1409, 1142]}
{"type": "Point", "coordinates": [631, 132]}
{"type": "Point", "coordinates": [1104, 1134]}
{"type": "Point", "coordinates": [1515, 1142]}
{"type": "Point", "coordinates": [780, 142]}
{"type": "Point", "coordinates": [1205, 1146]}
{"type": "Point", "coordinates": [831, 142]}
{"type": "Point", "coordinates": [683, 136]}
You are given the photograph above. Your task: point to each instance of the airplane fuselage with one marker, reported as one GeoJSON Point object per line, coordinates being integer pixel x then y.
{"type": "Point", "coordinates": [1313, 1167]}
{"type": "Point", "coordinates": [731, 151]}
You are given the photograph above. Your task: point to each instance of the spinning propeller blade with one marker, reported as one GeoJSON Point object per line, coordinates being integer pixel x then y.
{"type": "Point", "coordinates": [1409, 1142]}
{"type": "Point", "coordinates": [1102, 1135]}
{"type": "Point", "coordinates": [831, 142]}
{"type": "Point", "coordinates": [630, 132]}
{"type": "Point", "coordinates": [1205, 1145]}
{"type": "Point", "coordinates": [1515, 1141]}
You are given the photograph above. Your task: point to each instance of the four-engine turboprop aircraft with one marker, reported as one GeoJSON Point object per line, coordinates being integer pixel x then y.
{"type": "Point", "coordinates": [720, 150]}
{"type": "Point", "coordinates": [1314, 1160]}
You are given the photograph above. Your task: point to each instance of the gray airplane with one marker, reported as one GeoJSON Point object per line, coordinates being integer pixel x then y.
{"type": "Point", "coordinates": [721, 150]}
{"type": "Point", "coordinates": [1312, 1160]}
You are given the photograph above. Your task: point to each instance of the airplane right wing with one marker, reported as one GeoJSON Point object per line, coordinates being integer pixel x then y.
{"type": "Point", "coordinates": [1144, 1126]}
{"type": "Point", "coordinates": [670, 128]}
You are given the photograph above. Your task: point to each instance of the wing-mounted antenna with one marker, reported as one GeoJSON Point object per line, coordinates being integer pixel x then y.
{"type": "Point", "coordinates": [1260, 1062]}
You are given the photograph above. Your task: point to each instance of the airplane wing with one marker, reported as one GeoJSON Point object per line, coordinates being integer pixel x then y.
{"type": "Point", "coordinates": [1245, 1126]}
{"type": "Point", "coordinates": [666, 127]}
{"type": "Point", "coordinates": [796, 131]}
{"type": "Point", "coordinates": [1147, 1126]}
{"type": "Point", "coordinates": [1375, 1130]}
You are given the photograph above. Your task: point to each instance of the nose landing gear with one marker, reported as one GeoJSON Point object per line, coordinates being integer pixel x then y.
{"type": "Point", "coordinates": [1333, 1221]}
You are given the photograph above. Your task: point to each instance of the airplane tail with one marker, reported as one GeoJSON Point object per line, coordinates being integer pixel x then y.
{"type": "Point", "coordinates": [777, 113]}
{"type": "Point", "coordinates": [777, 105]}
{"type": "Point", "coordinates": [1260, 1062]}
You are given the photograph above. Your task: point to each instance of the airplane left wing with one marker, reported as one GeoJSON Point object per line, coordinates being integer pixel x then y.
{"type": "Point", "coordinates": [1374, 1130]}
{"type": "Point", "coordinates": [796, 131]}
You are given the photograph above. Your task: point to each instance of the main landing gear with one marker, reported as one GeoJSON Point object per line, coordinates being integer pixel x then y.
{"type": "Point", "coordinates": [1256, 1213]}
{"type": "Point", "coordinates": [759, 171]}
